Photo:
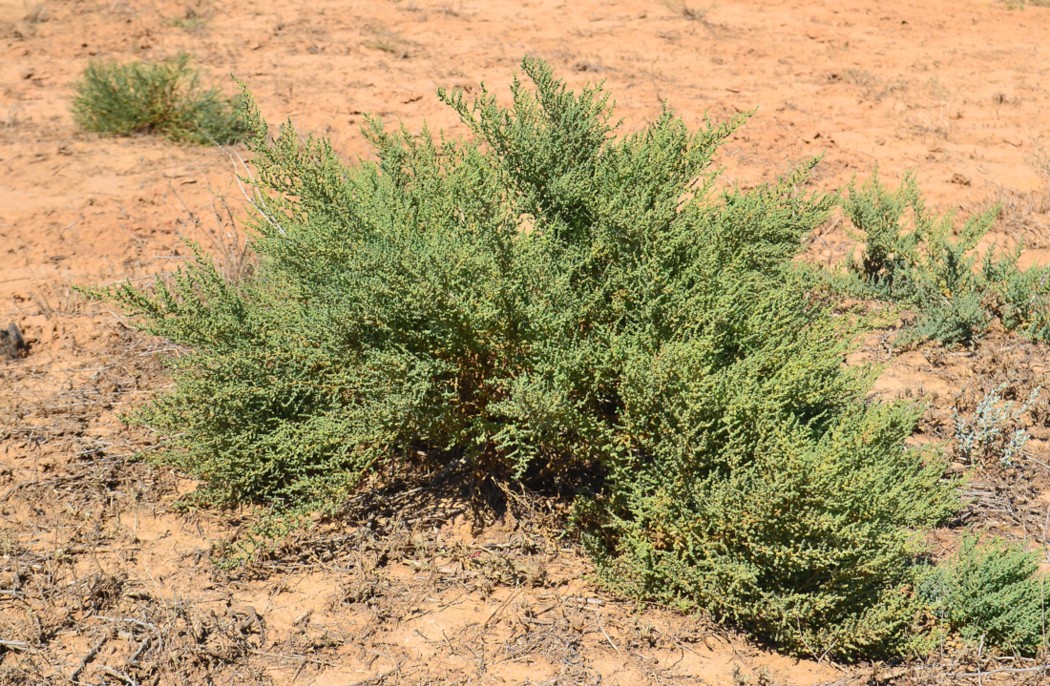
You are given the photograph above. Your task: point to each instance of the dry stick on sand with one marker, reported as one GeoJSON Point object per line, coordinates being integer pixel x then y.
{"type": "Point", "coordinates": [1002, 670]}
{"type": "Point", "coordinates": [88, 658]}
{"type": "Point", "coordinates": [119, 675]}
{"type": "Point", "coordinates": [14, 645]}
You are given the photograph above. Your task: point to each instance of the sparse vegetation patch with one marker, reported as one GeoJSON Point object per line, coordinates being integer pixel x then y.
{"type": "Point", "coordinates": [912, 257]}
{"type": "Point", "coordinates": [160, 98]}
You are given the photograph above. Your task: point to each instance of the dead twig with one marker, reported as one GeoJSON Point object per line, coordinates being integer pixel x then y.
{"type": "Point", "coordinates": [88, 658]}
{"type": "Point", "coordinates": [1001, 670]}
{"type": "Point", "coordinates": [134, 659]}
{"type": "Point", "coordinates": [608, 638]}
{"type": "Point", "coordinates": [137, 622]}
{"type": "Point", "coordinates": [119, 675]}
{"type": "Point", "coordinates": [499, 610]}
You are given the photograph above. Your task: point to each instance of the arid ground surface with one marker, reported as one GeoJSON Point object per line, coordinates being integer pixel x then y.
{"type": "Point", "coordinates": [104, 579]}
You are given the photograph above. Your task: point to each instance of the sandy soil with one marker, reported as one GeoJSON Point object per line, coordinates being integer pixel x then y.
{"type": "Point", "coordinates": [103, 579]}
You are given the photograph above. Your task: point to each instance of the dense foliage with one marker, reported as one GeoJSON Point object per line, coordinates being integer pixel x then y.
{"type": "Point", "coordinates": [989, 594]}
{"type": "Point", "coordinates": [161, 98]}
{"type": "Point", "coordinates": [547, 301]}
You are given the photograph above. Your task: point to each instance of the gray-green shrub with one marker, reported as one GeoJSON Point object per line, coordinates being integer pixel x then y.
{"type": "Point", "coordinates": [549, 300]}
{"type": "Point", "coordinates": [161, 98]}
{"type": "Point", "coordinates": [995, 432]}
{"type": "Point", "coordinates": [990, 595]}
{"type": "Point", "coordinates": [918, 259]}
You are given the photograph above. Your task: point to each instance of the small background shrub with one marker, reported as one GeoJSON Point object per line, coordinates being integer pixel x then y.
{"type": "Point", "coordinates": [995, 433]}
{"type": "Point", "coordinates": [161, 98]}
{"type": "Point", "coordinates": [555, 305]}
{"type": "Point", "coordinates": [989, 595]}
{"type": "Point", "coordinates": [912, 257]}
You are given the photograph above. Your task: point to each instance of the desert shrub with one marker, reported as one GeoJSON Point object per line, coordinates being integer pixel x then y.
{"type": "Point", "coordinates": [1020, 298]}
{"type": "Point", "coordinates": [552, 304]}
{"type": "Point", "coordinates": [994, 432]}
{"type": "Point", "coordinates": [920, 260]}
{"type": "Point", "coordinates": [161, 98]}
{"type": "Point", "coordinates": [990, 595]}
{"type": "Point", "coordinates": [802, 534]}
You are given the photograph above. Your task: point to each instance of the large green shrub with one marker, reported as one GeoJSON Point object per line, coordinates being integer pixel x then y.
{"type": "Point", "coordinates": [161, 98]}
{"type": "Point", "coordinates": [550, 300]}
